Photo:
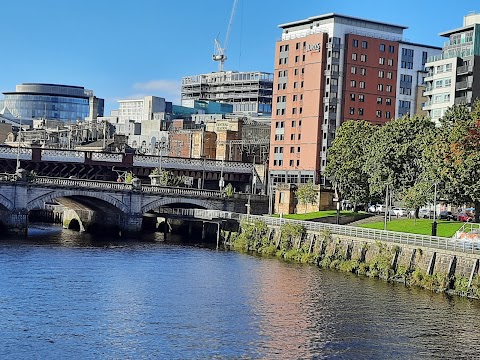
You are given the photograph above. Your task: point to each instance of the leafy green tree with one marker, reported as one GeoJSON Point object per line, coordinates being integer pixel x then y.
{"type": "Point", "coordinates": [395, 156]}
{"type": "Point", "coordinates": [228, 190]}
{"type": "Point", "coordinates": [307, 194]}
{"type": "Point", "coordinates": [346, 160]}
{"type": "Point", "coordinates": [455, 156]}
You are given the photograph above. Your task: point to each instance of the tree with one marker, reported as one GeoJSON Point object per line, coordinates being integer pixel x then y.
{"type": "Point", "coordinates": [395, 156]}
{"type": "Point", "coordinates": [346, 159]}
{"type": "Point", "coordinates": [455, 156]}
{"type": "Point", "coordinates": [307, 194]}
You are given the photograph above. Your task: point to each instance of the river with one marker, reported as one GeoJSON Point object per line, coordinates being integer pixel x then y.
{"type": "Point", "coordinates": [69, 295]}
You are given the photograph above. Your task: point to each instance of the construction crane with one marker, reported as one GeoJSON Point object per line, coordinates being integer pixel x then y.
{"type": "Point", "coordinates": [219, 52]}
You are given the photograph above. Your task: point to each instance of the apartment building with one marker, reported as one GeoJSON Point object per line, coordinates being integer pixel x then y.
{"type": "Point", "coordinates": [454, 75]}
{"type": "Point", "coordinates": [332, 68]}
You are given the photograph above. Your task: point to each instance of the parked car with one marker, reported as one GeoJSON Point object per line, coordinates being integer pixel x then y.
{"type": "Point", "coordinates": [398, 212]}
{"type": "Point", "coordinates": [446, 215]}
{"type": "Point", "coordinates": [462, 216]}
{"type": "Point", "coordinates": [425, 213]}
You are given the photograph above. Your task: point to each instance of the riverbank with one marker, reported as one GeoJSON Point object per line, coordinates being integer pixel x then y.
{"type": "Point", "coordinates": [431, 269]}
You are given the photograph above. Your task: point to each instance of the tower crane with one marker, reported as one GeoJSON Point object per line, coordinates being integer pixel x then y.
{"type": "Point", "coordinates": [219, 52]}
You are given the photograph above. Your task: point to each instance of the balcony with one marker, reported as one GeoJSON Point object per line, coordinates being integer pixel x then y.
{"type": "Point", "coordinates": [466, 69]}
{"type": "Point", "coordinates": [463, 85]}
{"type": "Point", "coordinates": [463, 100]}
{"type": "Point", "coordinates": [331, 73]}
{"type": "Point", "coordinates": [330, 100]}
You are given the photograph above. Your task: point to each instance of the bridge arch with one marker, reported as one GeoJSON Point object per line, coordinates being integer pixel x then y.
{"type": "Point", "coordinates": [206, 204]}
{"type": "Point", "coordinates": [38, 202]}
{"type": "Point", "coordinates": [5, 203]}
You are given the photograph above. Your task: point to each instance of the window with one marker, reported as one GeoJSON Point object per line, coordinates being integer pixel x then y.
{"type": "Point", "coordinates": [355, 43]}
{"type": "Point", "coordinates": [303, 57]}
{"type": "Point", "coordinates": [278, 137]}
{"type": "Point", "coordinates": [297, 58]}
{"type": "Point", "coordinates": [295, 85]}
{"type": "Point", "coordinates": [360, 111]}
{"type": "Point", "coordinates": [389, 88]}
{"type": "Point", "coordinates": [300, 123]}
{"type": "Point", "coordinates": [296, 71]}
{"type": "Point", "coordinates": [353, 69]}
{"type": "Point", "coordinates": [353, 83]}
{"type": "Point", "coordinates": [301, 84]}
{"type": "Point", "coordinates": [362, 84]}
{"type": "Point", "coordinates": [363, 71]}
{"type": "Point", "coordinates": [298, 149]}
{"type": "Point", "coordinates": [391, 49]}
{"type": "Point", "coordinates": [293, 123]}
{"type": "Point", "coordinates": [389, 75]}
{"type": "Point", "coordinates": [291, 162]}
{"type": "Point", "coordinates": [363, 58]}
{"type": "Point", "coordinates": [298, 162]}
{"type": "Point", "coordinates": [379, 100]}
{"type": "Point", "coordinates": [292, 136]}
{"type": "Point", "coordinates": [354, 56]}
{"type": "Point", "coordinates": [388, 115]}
{"type": "Point", "coordinates": [352, 111]}
{"type": "Point", "coordinates": [352, 97]}
{"type": "Point", "coordinates": [388, 101]}
{"type": "Point", "coordinates": [381, 61]}
{"type": "Point", "coordinates": [292, 149]}
{"type": "Point", "coordinates": [382, 47]}
{"type": "Point", "coordinates": [297, 46]}
{"type": "Point", "coordinates": [280, 124]}
{"type": "Point", "coordinates": [364, 44]}
{"type": "Point", "coordinates": [390, 62]}
{"type": "Point", "coordinates": [381, 73]}
{"type": "Point", "coordinates": [294, 111]}
{"type": "Point", "coordinates": [380, 87]}
{"type": "Point", "coordinates": [300, 110]}
{"type": "Point", "coordinates": [299, 136]}
{"type": "Point", "coordinates": [295, 97]}
{"type": "Point", "coordinates": [379, 113]}
{"type": "Point", "coordinates": [361, 98]}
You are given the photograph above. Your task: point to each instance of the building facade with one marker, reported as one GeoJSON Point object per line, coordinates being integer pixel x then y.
{"type": "Point", "coordinates": [53, 101]}
{"type": "Point", "coordinates": [247, 92]}
{"type": "Point", "coordinates": [332, 68]}
{"type": "Point", "coordinates": [454, 75]}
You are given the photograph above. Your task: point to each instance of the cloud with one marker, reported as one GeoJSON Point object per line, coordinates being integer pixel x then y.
{"type": "Point", "coordinates": [169, 89]}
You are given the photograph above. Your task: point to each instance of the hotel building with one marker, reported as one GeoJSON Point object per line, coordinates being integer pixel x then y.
{"type": "Point", "coordinates": [332, 68]}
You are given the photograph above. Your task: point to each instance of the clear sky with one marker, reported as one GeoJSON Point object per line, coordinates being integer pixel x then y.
{"type": "Point", "coordinates": [126, 49]}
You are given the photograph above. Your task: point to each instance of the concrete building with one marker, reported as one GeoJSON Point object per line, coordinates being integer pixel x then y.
{"type": "Point", "coordinates": [53, 101]}
{"type": "Point", "coordinates": [454, 75]}
{"type": "Point", "coordinates": [332, 68]}
{"type": "Point", "coordinates": [248, 92]}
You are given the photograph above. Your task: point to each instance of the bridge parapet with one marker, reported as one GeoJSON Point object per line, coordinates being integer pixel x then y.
{"type": "Point", "coordinates": [13, 153]}
{"type": "Point", "coordinates": [75, 183]}
{"type": "Point", "coordinates": [63, 155]}
{"type": "Point", "coordinates": [182, 191]}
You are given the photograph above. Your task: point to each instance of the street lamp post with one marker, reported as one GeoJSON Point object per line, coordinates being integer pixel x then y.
{"type": "Point", "coordinates": [434, 223]}
{"type": "Point", "coordinates": [19, 137]}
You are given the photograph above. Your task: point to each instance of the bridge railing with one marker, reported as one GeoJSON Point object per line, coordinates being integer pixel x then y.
{"type": "Point", "coordinates": [75, 183]}
{"type": "Point", "coordinates": [435, 242]}
{"type": "Point", "coordinates": [13, 153]}
{"type": "Point", "coordinates": [198, 213]}
{"type": "Point", "coordinates": [181, 191]}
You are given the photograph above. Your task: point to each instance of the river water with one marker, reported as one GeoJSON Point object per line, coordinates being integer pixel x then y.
{"type": "Point", "coordinates": [65, 294]}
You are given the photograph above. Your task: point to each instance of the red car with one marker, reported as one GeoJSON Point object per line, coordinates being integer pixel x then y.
{"type": "Point", "coordinates": [464, 217]}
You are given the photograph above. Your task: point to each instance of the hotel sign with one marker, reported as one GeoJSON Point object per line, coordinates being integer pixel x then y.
{"type": "Point", "coordinates": [313, 47]}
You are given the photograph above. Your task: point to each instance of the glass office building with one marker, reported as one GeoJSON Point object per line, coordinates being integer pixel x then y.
{"type": "Point", "coordinates": [52, 101]}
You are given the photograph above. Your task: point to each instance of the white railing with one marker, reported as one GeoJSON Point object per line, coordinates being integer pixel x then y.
{"type": "Point", "coordinates": [13, 153]}
{"type": "Point", "coordinates": [76, 183]}
{"type": "Point", "coordinates": [155, 189]}
{"type": "Point", "coordinates": [435, 242]}
{"type": "Point", "coordinates": [63, 155]}
{"type": "Point", "coordinates": [198, 213]}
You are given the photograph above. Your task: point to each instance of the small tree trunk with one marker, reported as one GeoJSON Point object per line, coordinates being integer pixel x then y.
{"type": "Point", "coordinates": [477, 211]}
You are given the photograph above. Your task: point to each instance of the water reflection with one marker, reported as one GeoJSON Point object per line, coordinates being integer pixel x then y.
{"type": "Point", "coordinates": [69, 293]}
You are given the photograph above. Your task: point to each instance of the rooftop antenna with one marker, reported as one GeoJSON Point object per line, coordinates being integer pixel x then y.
{"type": "Point", "coordinates": [220, 52]}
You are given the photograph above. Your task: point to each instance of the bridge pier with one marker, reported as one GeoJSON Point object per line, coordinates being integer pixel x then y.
{"type": "Point", "coordinates": [16, 221]}
{"type": "Point", "coordinates": [131, 223]}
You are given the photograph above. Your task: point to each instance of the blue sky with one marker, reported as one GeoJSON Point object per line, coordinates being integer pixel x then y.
{"type": "Point", "coordinates": [125, 49]}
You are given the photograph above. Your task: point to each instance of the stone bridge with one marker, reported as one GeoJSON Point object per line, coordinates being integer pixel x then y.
{"type": "Point", "coordinates": [103, 203]}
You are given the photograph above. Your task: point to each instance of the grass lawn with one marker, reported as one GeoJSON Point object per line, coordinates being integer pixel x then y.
{"type": "Point", "coordinates": [316, 215]}
{"type": "Point", "coordinates": [423, 226]}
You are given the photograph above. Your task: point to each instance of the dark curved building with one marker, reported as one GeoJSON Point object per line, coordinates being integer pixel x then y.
{"type": "Point", "coordinates": [53, 101]}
